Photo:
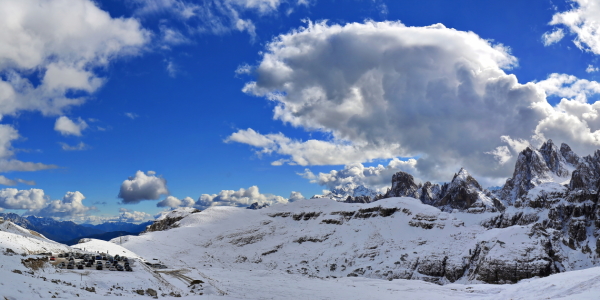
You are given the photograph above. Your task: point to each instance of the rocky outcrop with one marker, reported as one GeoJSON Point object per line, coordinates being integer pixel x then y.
{"type": "Point", "coordinates": [555, 161]}
{"type": "Point", "coordinates": [170, 219]}
{"type": "Point", "coordinates": [544, 220]}
{"type": "Point", "coordinates": [535, 167]}
{"type": "Point", "coordinates": [358, 199]}
{"type": "Point", "coordinates": [430, 193]}
{"type": "Point", "coordinates": [462, 193]}
{"type": "Point", "coordinates": [403, 185]}
{"type": "Point", "coordinates": [256, 206]}
{"type": "Point", "coordinates": [553, 193]}
{"type": "Point", "coordinates": [587, 174]}
{"type": "Point", "coordinates": [465, 193]}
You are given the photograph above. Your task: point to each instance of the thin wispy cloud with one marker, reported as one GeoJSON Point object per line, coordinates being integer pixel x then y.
{"type": "Point", "coordinates": [132, 116]}
{"type": "Point", "coordinates": [79, 147]}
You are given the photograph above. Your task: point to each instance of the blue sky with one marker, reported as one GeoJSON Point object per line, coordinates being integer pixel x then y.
{"type": "Point", "coordinates": [152, 86]}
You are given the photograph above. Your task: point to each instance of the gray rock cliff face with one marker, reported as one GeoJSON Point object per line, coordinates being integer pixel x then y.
{"type": "Point", "coordinates": [170, 220]}
{"type": "Point", "coordinates": [465, 193]}
{"type": "Point", "coordinates": [553, 195]}
{"type": "Point", "coordinates": [462, 193]}
{"type": "Point", "coordinates": [534, 167]}
{"type": "Point", "coordinates": [544, 220]}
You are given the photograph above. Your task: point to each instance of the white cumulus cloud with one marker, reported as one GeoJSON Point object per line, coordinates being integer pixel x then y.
{"type": "Point", "coordinates": [70, 206]}
{"type": "Point", "coordinates": [242, 197]}
{"type": "Point", "coordinates": [64, 41]}
{"type": "Point", "coordinates": [569, 86]}
{"type": "Point", "coordinates": [385, 90]}
{"type": "Point", "coordinates": [555, 36]}
{"type": "Point", "coordinates": [33, 199]}
{"type": "Point", "coordinates": [143, 186]}
{"type": "Point", "coordinates": [66, 126]}
{"type": "Point", "coordinates": [377, 177]}
{"type": "Point", "coordinates": [131, 216]}
{"type": "Point", "coordinates": [173, 202]}
{"type": "Point", "coordinates": [592, 69]}
{"type": "Point", "coordinates": [296, 196]}
{"type": "Point", "coordinates": [582, 20]}
{"type": "Point", "coordinates": [381, 90]}
{"type": "Point", "coordinates": [314, 152]}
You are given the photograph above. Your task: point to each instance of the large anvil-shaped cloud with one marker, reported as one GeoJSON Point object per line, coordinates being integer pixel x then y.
{"type": "Point", "coordinates": [382, 90]}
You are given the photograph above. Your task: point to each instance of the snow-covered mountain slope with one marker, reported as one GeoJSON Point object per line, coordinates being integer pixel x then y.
{"type": "Point", "coordinates": [94, 245]}
{"type": "Point", "coordinates": [24, 241]}
{"type": "Point", "coordinates": [536, 225]}
{"type": "Point", "coordinates": [545, 222]}
{"type": "Point", "coordinates": [263, 284]}
{"type": "Point", "coordinates": [389, 239]}
{"type": "Point", "coordinates": [25, 274]}
{"type": "Point", "coordinates": [60, 231]}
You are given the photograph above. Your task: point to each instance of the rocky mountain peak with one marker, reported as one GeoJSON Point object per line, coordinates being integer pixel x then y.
{"type": "Point", "coordinates": [586, 176]}
{"type": "Point", "coordinates": [554, 159]}
{"type": "Point", "coordinates": [570, 156]}
{"type": "Point", "coordinates": [349, 189]}
{"type": "Point", "coordinates": [465, 193]}
{"type": "Point", "coordinates": [350, 192]}
{"type": "Point", "coordinates": [464, 178]}
{"type": "Point", "coordinates": [430, 193]}
{"type": "Point", "coordinates": [403, 185]}
{"type": "Point", "coordinates": [535, 167]}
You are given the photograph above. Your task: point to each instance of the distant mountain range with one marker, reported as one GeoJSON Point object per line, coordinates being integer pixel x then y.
{"type": "Point", "coordinates": [119, 226]}
{"type": "Point", "coordinates": [66, 231]}
{"type": "Point", "coordinates": [106, 236]}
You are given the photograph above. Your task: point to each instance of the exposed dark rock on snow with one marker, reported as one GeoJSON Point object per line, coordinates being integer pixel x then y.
{"type": "Point", "coordinates": [163, 224]}
{"type": "Point", "coordinates": [358, 199]}
{"type": "Point", "coordinates": [553, 194]}
{"type": "Point", "coordinates": [544, 220]}
{"type": "Point", "coordinates": [170, 219]}
{"type": "Point", "coordinates": [462, 193]}
{"type": "Point", "coordinates": [403, 185]}
{"type": "Point", "coordinates": [535, 167]}
{"type": "Point", "coordinates": [256, 206]}
{"type": "Point", "coordinates": [465, 193]}
{"type": "Point", "coordinates": [507, 219]}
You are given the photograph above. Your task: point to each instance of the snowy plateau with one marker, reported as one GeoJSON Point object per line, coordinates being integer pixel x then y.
{"type": "Point", "coordinates": [535, 238]}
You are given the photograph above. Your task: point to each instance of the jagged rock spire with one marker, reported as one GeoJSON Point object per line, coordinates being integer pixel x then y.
{"type": "Point", "coordinates": [535, 167]}
{"type": "Point", "coordinates": [465, 193]}
{"type": "Point", "coordinates": [403, 185]}
{"type": "Point", "coordinates": [554, 159]}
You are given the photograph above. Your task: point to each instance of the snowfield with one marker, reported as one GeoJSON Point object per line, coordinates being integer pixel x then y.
{"type": "Point", "coordinates": [535, 238]}
{"type": "Point", "coordinates": [288, 252]}
{"type": "Point", "coordinates": [318, 238]}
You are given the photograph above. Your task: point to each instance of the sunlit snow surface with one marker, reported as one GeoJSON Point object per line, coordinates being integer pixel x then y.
{"type": "Point", "coordinates": [225, 248]}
